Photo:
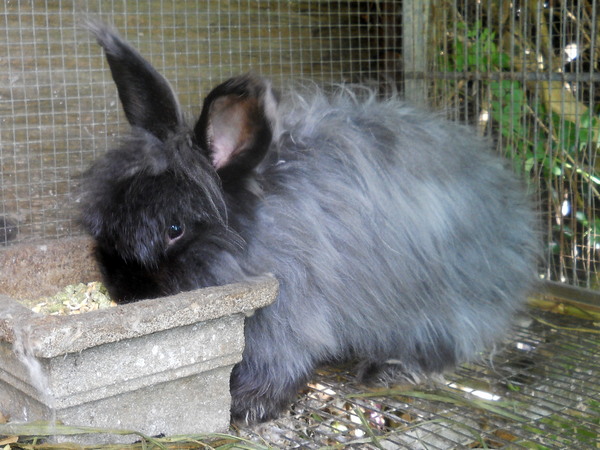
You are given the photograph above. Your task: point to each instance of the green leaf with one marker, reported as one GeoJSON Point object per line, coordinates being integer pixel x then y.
{"type": "Point", "coordinates": [581, 218]}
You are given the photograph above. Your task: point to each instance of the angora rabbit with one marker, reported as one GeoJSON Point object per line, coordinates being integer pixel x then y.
{"type": "Point", "coordinates": [399, 240]}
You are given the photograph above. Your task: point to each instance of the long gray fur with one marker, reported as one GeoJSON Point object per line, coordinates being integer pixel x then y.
{"type": "Point", "coordinates": [399, 239]}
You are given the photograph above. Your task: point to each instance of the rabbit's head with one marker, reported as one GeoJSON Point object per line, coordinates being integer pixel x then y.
{"type": "Point", "coordinates": [162, 196]}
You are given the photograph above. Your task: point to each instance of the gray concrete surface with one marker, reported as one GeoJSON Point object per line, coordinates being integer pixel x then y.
{"type": "Point", "coordinates": [158, 366]}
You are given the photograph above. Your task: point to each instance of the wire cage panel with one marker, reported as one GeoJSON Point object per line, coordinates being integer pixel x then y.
{"type": "Point", "coordinates": [527, 74]}
{"type": "Point", "coordinates": [59, 107]}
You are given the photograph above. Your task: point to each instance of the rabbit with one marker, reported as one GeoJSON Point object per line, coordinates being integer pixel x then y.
{"type": "Point", "coordinates": [399, 239]}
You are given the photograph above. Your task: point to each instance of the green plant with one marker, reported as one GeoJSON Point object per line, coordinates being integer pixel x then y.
{"type": "Point", "coordinates": [549, 135]}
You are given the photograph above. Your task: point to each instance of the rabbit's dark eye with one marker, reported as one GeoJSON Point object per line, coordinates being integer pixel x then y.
{"type": "Point", "coordinates": [174, 232]}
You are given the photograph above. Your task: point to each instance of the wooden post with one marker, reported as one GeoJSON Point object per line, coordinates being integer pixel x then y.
{"type": "Point", "coordinates": [415, 29]}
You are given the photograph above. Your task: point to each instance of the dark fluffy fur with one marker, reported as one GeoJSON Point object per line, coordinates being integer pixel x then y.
{"type": "Point", "coordinates": [398, 238]}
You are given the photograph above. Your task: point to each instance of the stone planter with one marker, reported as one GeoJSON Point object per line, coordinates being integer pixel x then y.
{"type": "Point", "coordinates": [158, 366]}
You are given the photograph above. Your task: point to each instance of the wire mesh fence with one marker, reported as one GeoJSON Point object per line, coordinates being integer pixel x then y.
{"type": "Point", "coordinates": [526, 73]}
{"type": "Point", "coordinates": [59, 107]}
{"type": "Point", "coordinates": [539, 390]}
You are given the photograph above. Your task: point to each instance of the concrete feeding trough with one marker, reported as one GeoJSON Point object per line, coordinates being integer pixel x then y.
{"type": "Point", "coordinates": [158, 366]}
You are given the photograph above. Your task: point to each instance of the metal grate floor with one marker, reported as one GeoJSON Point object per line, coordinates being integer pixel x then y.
{"type": "Point", "coordinates": [540, 390]}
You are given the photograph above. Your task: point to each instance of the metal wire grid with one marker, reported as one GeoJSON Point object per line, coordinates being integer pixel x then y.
{"type": "Point", "coordinates": [542, 390]}
{"type": "Point", "coordinates": [59, 107]}
{"type": "Point", "coordinates": [527, 73]}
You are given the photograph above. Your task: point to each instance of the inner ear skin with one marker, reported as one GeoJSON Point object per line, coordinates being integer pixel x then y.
{"type": "Point", "coordinates": [237, 136]}
{"type": "Point", "coordinates": [246, 161]}
{"type": "Point", "coordinates": [230, 128]}
{"type": "Point", "coordinates": [233, 129]}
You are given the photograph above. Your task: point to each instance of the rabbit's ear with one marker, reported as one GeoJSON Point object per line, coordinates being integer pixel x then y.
{"type": "Point", "coordinates": [146, 96]}
{"type": "Point", "coordinates": [236, 125]}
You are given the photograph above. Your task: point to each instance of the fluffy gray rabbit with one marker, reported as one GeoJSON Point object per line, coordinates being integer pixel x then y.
{"type": "Point", "coordinates": [398, 238]}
